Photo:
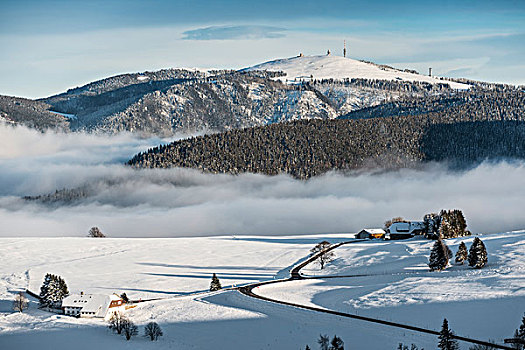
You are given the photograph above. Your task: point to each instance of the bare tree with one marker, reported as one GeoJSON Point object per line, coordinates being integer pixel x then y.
{"type": "Point", "coordinates": [116, 322]}
{"type": "Point", "coordinates": [153, 331]}
{"type": "Point", "coordinates": [20, 302]}
{"type": "Point", "coordinates": [129, 329]}
{"type": "Point", "coordinates": [323, 258]}
{"type": "Point", "coordinates": [95, 233]}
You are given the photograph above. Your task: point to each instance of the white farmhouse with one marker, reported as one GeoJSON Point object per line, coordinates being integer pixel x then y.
{"type": "Point", "coordinates": [92, 305]}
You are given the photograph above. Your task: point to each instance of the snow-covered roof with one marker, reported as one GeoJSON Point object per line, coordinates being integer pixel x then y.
{"type": "Point", "coordinates": [97, 303]}
{"type": "Point", "coordinates": [406, 227]}
{"type": "Point", "coordinates": [337, 67]}
{"type": "Point", "coordinates": [374, 231]}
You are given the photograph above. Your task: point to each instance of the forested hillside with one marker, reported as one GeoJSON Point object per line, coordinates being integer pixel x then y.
{"type": "Point", "coordinates": [34, 114]}
{"type": "Point", "coordinates": [485, 125]}
{"type": "Point", "coordinates": [172, 101]}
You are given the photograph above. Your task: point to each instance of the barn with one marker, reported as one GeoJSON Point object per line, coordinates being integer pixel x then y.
{"type": "Point", "coordinates": [370, 233]}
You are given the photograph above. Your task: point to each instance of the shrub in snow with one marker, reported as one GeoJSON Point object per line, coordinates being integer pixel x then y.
{"type": "Point", "coordinates": [462, 253]}
{"type": "Point", "coordinates": [477, 256]}
{"type": "Point", "coordinates": [215, 283]}
{"type": "Point", "coordinates": [439, 256]}
{"type": "Point", "coordinates": [446, 338]}
{"type": "Point", "coordinates": [153, 331]}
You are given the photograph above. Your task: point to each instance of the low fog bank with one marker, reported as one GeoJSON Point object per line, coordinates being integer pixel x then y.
{"type": "Point", "coordinates": [125, 202]}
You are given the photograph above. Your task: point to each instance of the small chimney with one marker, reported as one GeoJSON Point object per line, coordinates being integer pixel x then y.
{"type": "Point", "coordinates": [430, 71]}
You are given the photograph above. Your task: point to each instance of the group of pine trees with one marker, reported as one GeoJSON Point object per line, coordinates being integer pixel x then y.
{"type": "Point", "coordinates": [441, 254]}
{"type": "Point", "coordinates": [122, 325]}
{"type": "Point", "coordinates": [325, 344]}
{"type": "Point", "coordinates": [452, 224]}
{"type": "Point", "coordinates": [446, 224]}
{"type": "Point", "coordinates": [53, 291]}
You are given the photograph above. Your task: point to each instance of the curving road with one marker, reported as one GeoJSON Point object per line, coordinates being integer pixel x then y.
{"type": "Point", "coordinates": [295, 274]}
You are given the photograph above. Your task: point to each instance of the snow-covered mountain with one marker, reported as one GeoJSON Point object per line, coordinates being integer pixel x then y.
{"type": "Point", "coordinates": [174, 101]}
{"type": "Point", "coordinates": [337, 67]}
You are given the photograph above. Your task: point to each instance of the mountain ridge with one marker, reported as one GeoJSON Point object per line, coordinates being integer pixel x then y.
{"type": "Point", "coordinates": [171, 101]}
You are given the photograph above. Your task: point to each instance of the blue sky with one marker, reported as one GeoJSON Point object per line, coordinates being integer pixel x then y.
{"type": "Point", "coordinates": [50, 46]}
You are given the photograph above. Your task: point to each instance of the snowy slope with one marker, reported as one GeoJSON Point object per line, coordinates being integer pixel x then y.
{"type": "Point", "coordinates": [171, 268]}
{"type": "Point", "coordinates": [336, 67]}
{"type": "Point", "coordinates": [397, 286]}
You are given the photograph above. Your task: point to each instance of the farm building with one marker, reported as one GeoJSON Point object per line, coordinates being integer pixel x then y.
{"type": "Point", "coordinates": [371, 233]}
{"type": "Point", "coordinates": [92, 305]}
{"type": "Point", "coordinates": [406, 229]}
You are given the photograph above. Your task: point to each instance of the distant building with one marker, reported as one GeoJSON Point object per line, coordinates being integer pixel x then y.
{"type": "Point", "coordinates": [92, 305]}
{"type": "Point", "coordinates": [370, 233]}
{"type": "Point", "coordinates": [407, 229]}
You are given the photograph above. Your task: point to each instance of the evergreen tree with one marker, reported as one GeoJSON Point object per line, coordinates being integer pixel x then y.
{"type": "Point", "coordinates": [462, 253]}
{"type": "Point", "coordinates": [520, 334]}
{"type": "Point", "coordinates": [477, 256]}
{"type": "Point", "coordinates": [307, 348]}
{"type": "Point", "coordinates": [52, 291]}
{"type": "Point", "coordinates": [516, 345]}
{"type": "Point", "coordinates": [446, 338]}
{"type": "Point", "coordinates": [153, 331]}
{"type": "Point", "coordinates": [124, 297]}
{"type": "Point", "coordinates": [337, 343]}
{"type": "Point", "coordinates": [323, 341]}
{"type": "Point", "coordinates": [215, 283]}
{"type": "Point", "coordinates": [438, 256]}
{"type": "Point", "coordinates": [44, 290]}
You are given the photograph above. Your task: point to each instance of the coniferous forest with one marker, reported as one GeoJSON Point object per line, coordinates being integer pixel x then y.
{"type": "Point", "coordinates": [466, 129]}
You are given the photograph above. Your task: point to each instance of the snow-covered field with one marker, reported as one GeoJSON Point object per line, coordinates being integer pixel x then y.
{"type": "Point", "coordinates": [337, 67]}
{"type": "Point", "coordinates": [485, 303]}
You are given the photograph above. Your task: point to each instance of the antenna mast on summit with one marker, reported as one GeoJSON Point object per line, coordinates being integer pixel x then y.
{"type": "Point", "coordinates": [344, 48]}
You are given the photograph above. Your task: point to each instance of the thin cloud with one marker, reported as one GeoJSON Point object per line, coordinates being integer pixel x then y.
{"type": "Point", "coordinates": [240, 32]}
